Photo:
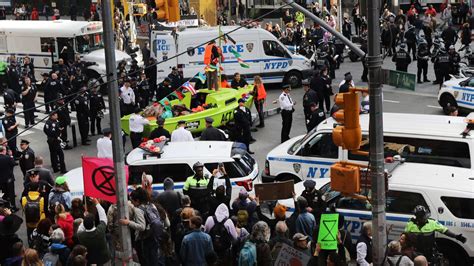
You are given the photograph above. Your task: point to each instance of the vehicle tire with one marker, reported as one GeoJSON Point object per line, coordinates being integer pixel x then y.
{"type": "Point", "coordinates": [93, 75]}
{"type": "Point", "coordinates": [447, 100]}
{"type": "Point", "coordinates": [293, 78]}
{"type": "Point", "coordinates": [353, 56]}
{"type": "Point", "coordinates": [287, 177]}
{"type": "Point", "coordinates": [453, 253]}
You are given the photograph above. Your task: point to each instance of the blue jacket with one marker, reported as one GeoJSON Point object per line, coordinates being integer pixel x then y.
{"type": "Point", "coordinates": [194, 248]}
{"type": "Point", "coordinates": [305, 224]}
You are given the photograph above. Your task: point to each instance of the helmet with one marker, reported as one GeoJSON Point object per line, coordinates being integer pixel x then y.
{"type": "Point", "coordinates": [421, 212]}
{"type": "Point", "coordinates": [197, 165]}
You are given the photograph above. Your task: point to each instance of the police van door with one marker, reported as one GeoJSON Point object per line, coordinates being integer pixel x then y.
{"type": "Point", "coordinates": [163, 46]}
{"type": "Point", "coordinates": [316, 156]}
{"type": "Point", "coordinates": [276, 61]}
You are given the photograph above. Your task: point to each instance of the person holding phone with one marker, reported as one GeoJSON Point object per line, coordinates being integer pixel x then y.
{"type": "Point", "coordinates": [223, 192]}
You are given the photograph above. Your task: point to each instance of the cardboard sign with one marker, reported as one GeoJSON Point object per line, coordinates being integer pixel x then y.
{"type": "Point", "coordinates": [275, 191]}
{"type": "Point", "coordinates": [290, 256]}
{"type": "Point", "coordinates": [328, 228]}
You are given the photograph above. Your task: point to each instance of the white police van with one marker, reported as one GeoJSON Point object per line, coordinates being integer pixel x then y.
{"type": "Point", "coordinates": [177, 160]}
{"type": "Point", "coordinates": [260, 49]}
{"type": "Point", "coordinates": [421, 139]}
{"type": "Point", "coordinates": [457, 92]}
{"type": "Point", "coordinates": [448, 195]}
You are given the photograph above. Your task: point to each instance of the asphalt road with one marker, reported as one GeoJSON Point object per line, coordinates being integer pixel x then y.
{"type": "Point", "coordinates": [422, 100]}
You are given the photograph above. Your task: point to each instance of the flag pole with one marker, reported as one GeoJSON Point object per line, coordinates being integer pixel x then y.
{"type": "Point", "coordinates": [220, 60]}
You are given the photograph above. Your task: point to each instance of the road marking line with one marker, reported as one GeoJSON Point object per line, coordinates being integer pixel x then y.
{"type": "Point", "coordinates": [390, 101]}
{"type": "Point", "coordinates": [433, 106]}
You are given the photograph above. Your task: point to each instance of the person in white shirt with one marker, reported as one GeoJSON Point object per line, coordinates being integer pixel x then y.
{"type": "Point", "coordinates": [104, 144]}
{"type": "Point", "coordinates": [364, 246]}
{"type": "Point", "coordinates": [287, 109]}
{"type": "Point", "coordinates": [128, 97]}
{"type": "Point", "coordinates": [181, 133]}
{"type": "Point", "coordinates": [136, 125]}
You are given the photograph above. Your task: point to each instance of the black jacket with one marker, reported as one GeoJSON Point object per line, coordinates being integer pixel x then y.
{"type": "Point", "coordinates": [158, 132]}
{"type": "Point", "coordinates": [212, 133]}
{"type": "Point", "coordinates": [7, 164]}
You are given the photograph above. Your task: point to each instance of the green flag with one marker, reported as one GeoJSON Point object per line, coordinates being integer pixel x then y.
{"type": "Point", "coordinates": [328, 228]}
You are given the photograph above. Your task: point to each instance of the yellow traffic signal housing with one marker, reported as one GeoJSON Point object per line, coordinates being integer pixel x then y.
{"type": "Point", "coordinates": [173, 11]}
{"type": "Point", "coordinates": [348, 135]}
{"type": "Point", "coordinates": [161, 10]}
{"type": "Point", "coordinates": [345, 178]}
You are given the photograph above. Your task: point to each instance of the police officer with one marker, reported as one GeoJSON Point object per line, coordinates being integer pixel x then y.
{"type": "Point", "coordinates": [134, 71]}
{"type": "Point", "coordinates": [27, 157]}
{"type": "Point", "coordinates": [310, 96]}
{"type": "Point", "coordinates": [423, 226]}
{"type": "Point", "coordinates": [212, 133]}
{"type": "Point", "coordinates": [316, 117]}
{"type": "Point", "coordinates": [442, 63]}
{"type": "Point", "coordinates": [51, 90]}
{"type": "Point", "coordinates": [196, 188]}
{"type": "Point", "coordinates": [11, 129]}
{"type": "Point", "coordinates": [176, 78]}
{"type": "Point", "coordinates": [243, 122]}
{"type": "Point", "coordinates": [78, 80]}
{"type": "Point", "coordinates": [10, 98]}
{"type": "Point", "coordinates": [401, 58]}
{"type": "Point", "coordinates": [64, 120]}
{"type": "Point", "coordinates": [83, 114]}
{"type": "Point", "coordinates": [14, 78]}
{"type": "Point", "coordinates": [454, 58]}
{"type": "Point", "coordinates": [28, 98]}
{"type": "Point", "coordinates": [143, 91]}
{"type": "Point", "coordinates": [163, 89]}
{"type": "Point", "coordinates": [29, 68]}
{"type": "Point", "coordinates": [422, 55]}
{"type": "Point", "coordinates": [410, 37]}
{"type": "Point", "coordinates": [287, 109]}
{"type": "Point", "coordinates": [52, 131]}
{"type": "Point", "coordinates": [97, 107]}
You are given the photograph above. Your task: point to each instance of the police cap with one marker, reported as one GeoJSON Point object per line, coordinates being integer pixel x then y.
{"type": "Point", "coordinates": [305, 82]}
{"type": "Point", "coordinates": [24, 141]}
{"type": "Point", "coordinates": [106, 131]}
{"type": "Point", "coordinates": [209, 120]}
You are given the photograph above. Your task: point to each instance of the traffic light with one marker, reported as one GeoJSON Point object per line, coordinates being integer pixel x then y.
{"type": "Point", "coordinates": [161, 10]}
{"type": "Point", "coordinates": [173, 11]}
{"type": "Point", "coordinates": [345, 178]}
{"type": "Point", "coordinates": [348, 135]}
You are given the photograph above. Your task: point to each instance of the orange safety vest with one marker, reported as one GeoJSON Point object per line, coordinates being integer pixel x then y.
{"type": "Point", "coordinates": [261, 93]}
{"type": "Point", "coordinates": [208, 54]}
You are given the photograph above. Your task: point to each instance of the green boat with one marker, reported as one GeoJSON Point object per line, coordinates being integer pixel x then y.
{"type": "Point", "coordinates": [221, 105]}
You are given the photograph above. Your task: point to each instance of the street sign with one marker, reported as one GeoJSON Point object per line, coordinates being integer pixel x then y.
{"type": "Point", "coordinates": [399, 79]}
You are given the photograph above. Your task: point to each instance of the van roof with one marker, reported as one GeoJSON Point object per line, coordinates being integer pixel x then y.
{"type": "Point", "coordinates": [412, 124]}
{"type": "Point", "coordinates": [198, 32]}
{"type": "Point", "coordinates": [434, 176]}
{"type": "Point", "coordinates": [56, 28]}
{"type": "Point", "coordinates": [173, 151]}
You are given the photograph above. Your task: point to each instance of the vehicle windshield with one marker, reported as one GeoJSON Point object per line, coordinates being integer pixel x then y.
{"type": "Point", "coordinates": [298, 143]}
{"type": "Point", "coordinates": [89, 42]}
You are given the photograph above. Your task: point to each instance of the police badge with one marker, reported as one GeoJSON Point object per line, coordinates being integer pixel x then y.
{"type": "Point", "coordinates": [190, 51]}
{"type": "Point", "coordinates": [456, 93]}
{"type": "Point", "coordinates": [46, 61]}
{"type": "Point", "coordinates": [297, 167]}
{"type": "Point", "coordinates": [249, 47]}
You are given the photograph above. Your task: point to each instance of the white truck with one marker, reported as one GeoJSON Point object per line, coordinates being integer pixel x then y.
{"type": "Point", "coordinates": [262, 51]}
{"type": "Point", "coordinates": [46, 41]}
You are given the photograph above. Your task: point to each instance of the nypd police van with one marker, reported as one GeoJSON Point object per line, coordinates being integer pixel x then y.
{"type": "Point", "coordinates": [457, 92]}
{"type": "Point", "coordinates": [421, 139]}
{"type": "Point", "coordinates": [448, 196]}
{"type": "Point", "coordinates": [261, 50]}
{"type": "Point", "coordinates": [177, 160]}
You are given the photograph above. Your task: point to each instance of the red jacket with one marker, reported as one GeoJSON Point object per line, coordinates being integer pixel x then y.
{"type": "Point", "coordinates": [34, 14]}
{"type": "Point", "coordinates": [66, 222]}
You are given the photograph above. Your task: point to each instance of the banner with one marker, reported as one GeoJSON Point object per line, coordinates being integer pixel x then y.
{"type": "Point", "coordinates": [328, 228]}
{"type": "Point", "coordinates": [99, 178]}
{"type": "Point", "coordinates": [275, 191]}
{"type": "Point", "coordinates": [290, 256]}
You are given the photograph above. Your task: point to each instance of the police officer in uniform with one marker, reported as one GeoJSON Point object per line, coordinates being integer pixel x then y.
{"type": "Point", "coordinates": [442, 63]}
{"type": "Point", "coordinates": [196, 188]}
{"type": "Point", "coordinates": [14, 78]}
{"type": "Point", "coordinates": [97, 107]}
{"type": "Point", "coordinates": [310, 96]}
{"type": "Point", "coordinates": [316, 117]}
{"type": "Point", "coordinates": [83, 114]}
{"type": "Point", "coordinates": [10, 126]}
{"type": "Point", "coordinates": [51, 90]}
{"type": "Point", "coordinates": [143, 91]}
{"type": "Point", "coordinates": [27, 157]}
{"type": "Point", "coordinates": [243, 122]}
{"type": "Point", "coordinates": [401, 58]}
{"type": "Point", "coordinates": [163, 89]}
{"type": "Point", "coordinates": [422, 55]}
{"type": "Point", "coordinates": [64, 120]}
{"type": "Point", "coordinates": [78, 80]}
{"type": "Point", "coordinates": [176, 78]}
{"type": "Point", "coordinates": [28, 98]}
{"type": "Point", "coordinates": [287, 109]}
{"type": "Point", "coordinates": [455, 58]}
{"type": "Point", "coordinates": [52, 131]}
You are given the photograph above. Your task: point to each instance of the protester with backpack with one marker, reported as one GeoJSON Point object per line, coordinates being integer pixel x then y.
{"type": "Point", "coordinates": [222, 232]}
{"type": "Point", "coordinates": [256, 250]}
{"type": "Point", "coordinates": [60, 194]}
{"type": "Point", "coordinates": [93, 236]}
{"type": "Point", "coordinates": [196, 245]}
{"type": "Point", "coordinates": [395, 256]}
{"type": "Point", "coordinates": [244, 206]}
{"type": "Point", "coordinates": [58, 251]}
{"type": "Point", "coordinates": [40, 239]}
{"type": "Point", "coordinates": [33, 208]}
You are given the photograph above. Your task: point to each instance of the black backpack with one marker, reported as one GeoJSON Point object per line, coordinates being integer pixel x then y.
{"type": "Point", "coordinates": [221, 238]}
{"type": "Point", "coordinates": [32, 210]}
{"type": "Point", "coordinates": [154, 226]}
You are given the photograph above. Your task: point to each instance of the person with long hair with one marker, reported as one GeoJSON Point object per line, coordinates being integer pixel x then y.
{"type": "Point", "coordinates": [39, 239]}
{"type": "Point", "coordinates": [31, 258]}
{"type": "Point", "coordinates": [66, 222]}
{"type": "Point", "coordinates": [259, 96]}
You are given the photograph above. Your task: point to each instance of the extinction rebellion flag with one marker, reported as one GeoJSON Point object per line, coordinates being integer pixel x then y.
{"type": "Point", "coordinates": [99, 178]}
